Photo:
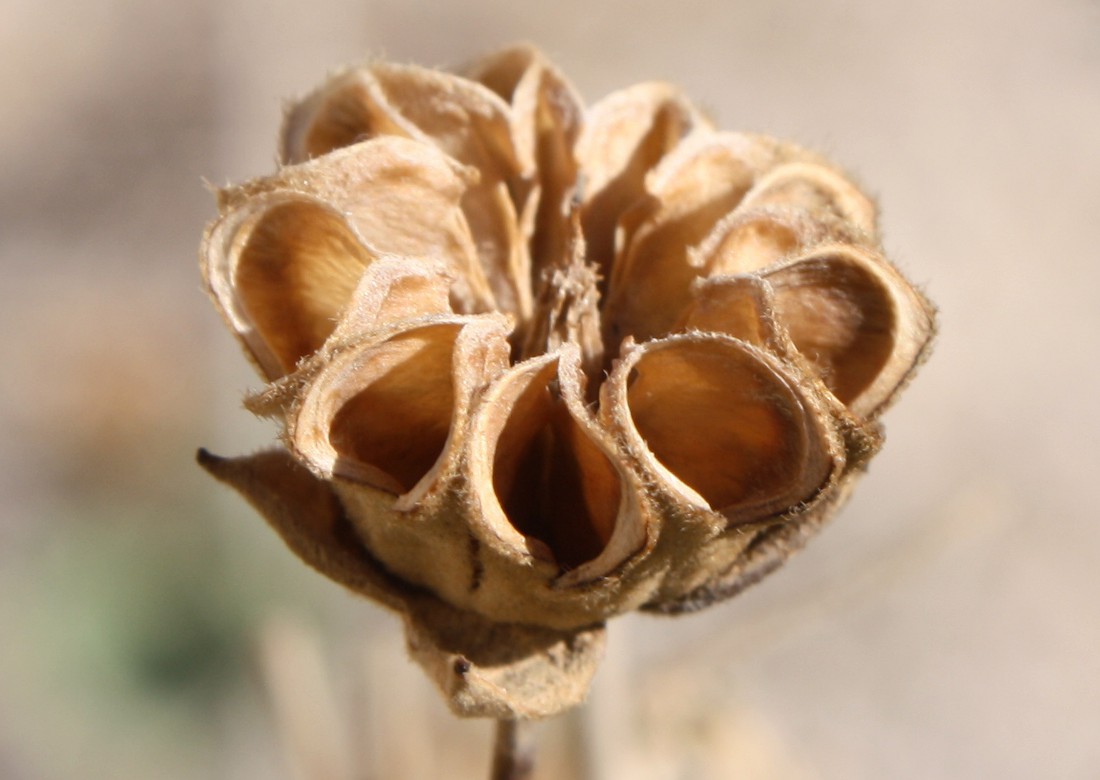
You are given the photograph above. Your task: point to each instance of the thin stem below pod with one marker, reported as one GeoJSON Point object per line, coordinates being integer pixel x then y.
{"type": "Point", "coordinates": [513, 751]}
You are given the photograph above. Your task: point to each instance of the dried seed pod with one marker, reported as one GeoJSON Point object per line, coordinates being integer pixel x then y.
{"type": "Point", "coordinates": [538, 365]}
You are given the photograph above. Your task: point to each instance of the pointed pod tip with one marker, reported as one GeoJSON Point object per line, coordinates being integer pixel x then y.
{"type": "Point", "coordinates": [208, 460]}
{"type": "Point", "coordinates": [226, 470]}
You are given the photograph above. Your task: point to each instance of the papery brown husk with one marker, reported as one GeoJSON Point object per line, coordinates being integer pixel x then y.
{"type": "Point", "coordinates": [537, 365]}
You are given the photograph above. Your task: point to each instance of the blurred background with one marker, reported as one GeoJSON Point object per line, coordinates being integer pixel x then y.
{"type": "Point", "coordinates": [945, 625]}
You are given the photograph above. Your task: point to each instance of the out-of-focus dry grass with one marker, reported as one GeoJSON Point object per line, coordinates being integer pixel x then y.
{"type": "Point", "coordinates": [945, 626]}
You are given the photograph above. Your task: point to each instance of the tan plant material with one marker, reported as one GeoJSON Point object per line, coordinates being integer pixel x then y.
{"type": "Point", "coordinates": [537, 365]}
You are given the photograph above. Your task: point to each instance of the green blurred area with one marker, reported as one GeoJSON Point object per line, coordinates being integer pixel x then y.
{"type": "Point", "coordinates": [131, 635]}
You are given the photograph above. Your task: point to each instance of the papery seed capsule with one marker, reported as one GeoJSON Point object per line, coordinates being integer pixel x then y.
{"type": "Point", "coordinates": [515, 406]}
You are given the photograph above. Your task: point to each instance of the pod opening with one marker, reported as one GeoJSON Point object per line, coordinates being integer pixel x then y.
{"type": "Point", "coordinates": [725, 424]}
{"type": "Point", "coordinates": [295, 274]}
{"type": "Point", "coordinates": [397, 425]}
{"type": "Point", "coordinates": [554, 484]}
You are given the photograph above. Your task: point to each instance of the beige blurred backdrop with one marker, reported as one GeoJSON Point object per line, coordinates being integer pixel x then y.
{"type": "Point", "coordinates": [944, 626]}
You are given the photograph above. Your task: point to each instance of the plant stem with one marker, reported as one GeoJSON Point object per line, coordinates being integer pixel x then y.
{"type": "Point", "coordinates": [513, 755]}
